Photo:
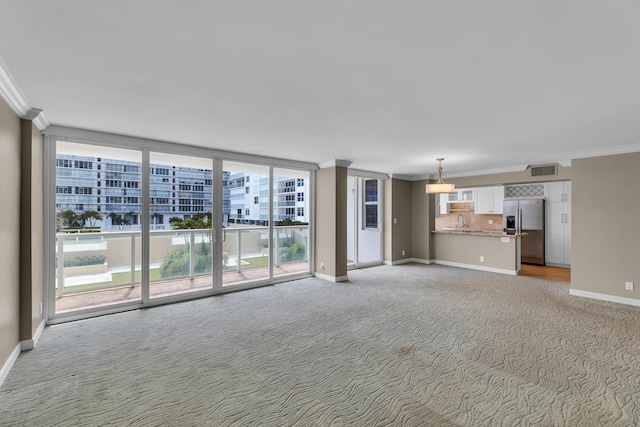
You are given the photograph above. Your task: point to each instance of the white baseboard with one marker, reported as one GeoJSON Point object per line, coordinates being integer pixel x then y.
{"type": "Point", "coordinates": [407, 260]}
{"type": "Point", "coordinates": [476, 267]}
{"type": "Point", "coordinates": [30, 344]}
{"type": "Point", "coordinates": [399, 262]}
{"type": "Point", "coordinates": [604, 297]}
{"type": "Point", "coordinates": [9, 363]}
{"type": "Point", "coordinates": [331, 278]}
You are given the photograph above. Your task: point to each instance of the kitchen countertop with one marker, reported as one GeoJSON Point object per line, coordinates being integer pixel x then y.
{"type": "Point", "coordinates": [490, 233]}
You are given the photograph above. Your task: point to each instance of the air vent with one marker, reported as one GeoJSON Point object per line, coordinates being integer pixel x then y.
{"type": "Point", "coordinates": [543, 170]}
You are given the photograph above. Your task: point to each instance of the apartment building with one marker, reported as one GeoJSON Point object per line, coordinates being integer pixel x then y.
{"type": "Point", "coordinates": [113, 189]}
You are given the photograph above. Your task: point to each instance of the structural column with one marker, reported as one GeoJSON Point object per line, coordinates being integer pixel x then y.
{"type": "Point", "coordinates": [331, 221]}
{"type": "Point", "coordinates": [31, 231]}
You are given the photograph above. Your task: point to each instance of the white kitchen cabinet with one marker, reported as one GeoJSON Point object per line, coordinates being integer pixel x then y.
{"type": "Point", "coordinates": [488, 200]}
{"type": "Point", "coordinates": [558, 192]}
{"type": "Point", "coordinates": [461, 195]}
{"type": "Point", "coordinates": [558, 224]}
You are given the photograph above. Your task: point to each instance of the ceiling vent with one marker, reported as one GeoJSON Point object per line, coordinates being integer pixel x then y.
{"type": "Point", "coordinates": [543, 170]}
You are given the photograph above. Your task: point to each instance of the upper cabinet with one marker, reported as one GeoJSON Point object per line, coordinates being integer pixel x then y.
{"type": "Point", "coordinates": [558, 192]}
{"type": "Point", "coordinates": [461, 195]}
{"type": "Point", "coordinates": [489, 200]}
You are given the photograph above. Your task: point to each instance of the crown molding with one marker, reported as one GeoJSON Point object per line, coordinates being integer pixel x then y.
{"type": "Point", "coordinates": [10, 93]}
{"type": "Point", "coordinates": [367, 174]}
{"type": "Point", "coordinates": [401, 176]}
{"type": "Point", "coordinates": [335, 163]}
{"type": "Point", "coordinates": [608, 151]}
{"type": "Point", "coordinates": [41, 121]}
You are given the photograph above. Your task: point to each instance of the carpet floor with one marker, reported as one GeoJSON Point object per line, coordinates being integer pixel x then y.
{"type": "Point", "coordinates": [410, 345]}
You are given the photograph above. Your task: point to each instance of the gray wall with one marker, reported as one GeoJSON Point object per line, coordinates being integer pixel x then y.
{"type": "Point", "coordinates": [31, 230]}
{"type": "Point", "coordinates": [397, 236]}
{"type": "Point", "coordinates": [422, 220]}
{"type": "Point", "coordinates": [9, 231]}
{"type": "Point", "coordinates": [605, 231]}
{"type": "Point", "coordinates": [331, 222]}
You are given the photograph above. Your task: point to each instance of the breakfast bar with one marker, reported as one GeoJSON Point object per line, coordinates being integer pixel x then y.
{"type": "Point", "coordinates": [477, 249]}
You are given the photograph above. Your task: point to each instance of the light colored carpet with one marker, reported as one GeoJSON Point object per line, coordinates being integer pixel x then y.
{"type": "Point", "coordinates": [409, 345]}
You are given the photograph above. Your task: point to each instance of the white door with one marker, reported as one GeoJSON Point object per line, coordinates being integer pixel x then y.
{"type": "Point", "coordinates": [364, 221]}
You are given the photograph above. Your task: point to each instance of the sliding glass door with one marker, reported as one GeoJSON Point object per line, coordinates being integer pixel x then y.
{"type": "Point", "coordinates": [180, 224]}
{"type": "Point", "coordinates": [140, 226]}
{"type": "Point", "coordinates": [98, 193]}
{"type": "Point", "coordinates": [245, 241]}
{"type": "Point", "coordinates": [291, 214]}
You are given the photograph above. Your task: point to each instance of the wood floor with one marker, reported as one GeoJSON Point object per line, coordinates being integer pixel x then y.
{"type": "Point", "coordinates": [544, 272]}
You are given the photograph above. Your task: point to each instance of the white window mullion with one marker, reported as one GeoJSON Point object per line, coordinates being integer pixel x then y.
{"type": "Point", "coordinates": [144, 226]}
{"type": "Point", "coordinates": [50, 228]}
{"type": "Point", "coordinates": [217, 221]}
{"type": "Point", "coordinates": [271, 228]}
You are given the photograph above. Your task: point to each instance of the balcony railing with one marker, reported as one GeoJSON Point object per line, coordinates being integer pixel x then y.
{"type": "Point", "coordinates": [91, 262]}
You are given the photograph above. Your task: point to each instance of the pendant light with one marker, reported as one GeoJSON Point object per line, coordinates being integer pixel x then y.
{"type": "Point", "coordinates": [440, 186]}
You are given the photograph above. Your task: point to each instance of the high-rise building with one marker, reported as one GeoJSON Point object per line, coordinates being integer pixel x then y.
{"type": "Point", "coordinates": [113, 188]}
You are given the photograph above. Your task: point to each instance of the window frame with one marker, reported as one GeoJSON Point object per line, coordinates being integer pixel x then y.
{"type": "Point", "coordinates": [145, 146]}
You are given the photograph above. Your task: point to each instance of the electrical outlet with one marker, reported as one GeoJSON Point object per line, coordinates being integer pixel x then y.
{"type": "Point", "coordinates": [629, 286]}
{"type": "Point", "coordinates": [490, 222]}
{"type": "Point", "coordinates": [395, 221]}
{"type": "Point", "coordinates": [402, 253]}
{"type": "Point", "coordinates": [41, 309]}
{"type": "Point", "coordinates": [481, 258]}
{"type": "Point", "coordinates": [322, 265]}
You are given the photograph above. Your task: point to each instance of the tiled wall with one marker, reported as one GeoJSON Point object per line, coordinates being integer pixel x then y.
{"type": "Point", "coordinates": [472, 220]}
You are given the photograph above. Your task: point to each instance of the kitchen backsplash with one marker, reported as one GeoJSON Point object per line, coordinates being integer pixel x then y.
{"type": "Point", "coordinates": [472, 220]}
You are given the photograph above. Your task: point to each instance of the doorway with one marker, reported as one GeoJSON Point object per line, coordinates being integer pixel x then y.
{"type": "Point", "coordinates": [364, 221]}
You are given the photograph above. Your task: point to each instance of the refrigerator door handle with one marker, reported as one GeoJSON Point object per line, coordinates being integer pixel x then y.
{"type": "Point", "coordinates": [518, 221]}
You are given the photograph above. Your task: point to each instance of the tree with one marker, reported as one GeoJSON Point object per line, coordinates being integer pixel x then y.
{"type": "Point", "coordinates": [190, 223]}
{"type": "Point", "coordinates": [92, 217]}
{"type": "Point", "coordinates": [128, 218]}
{"type": "Point", "coordinates": [116, 219]}
{"type": "Point", "coordinates": [290, 233]}
{"type": "Point", "coordinates": [176, 263]}
{"type": "Point", "coordinates": [70, 219]}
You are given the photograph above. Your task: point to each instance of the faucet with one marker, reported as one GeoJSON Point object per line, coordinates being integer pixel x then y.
{"type": "Point", "coordinates": [458, 220]}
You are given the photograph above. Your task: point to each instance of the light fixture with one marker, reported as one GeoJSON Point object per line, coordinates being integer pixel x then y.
{"type": "Point", "coordinates": [440, 186]}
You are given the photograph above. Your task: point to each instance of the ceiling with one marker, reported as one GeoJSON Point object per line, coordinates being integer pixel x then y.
{"type": "Point", "coordinates": [388, 85]}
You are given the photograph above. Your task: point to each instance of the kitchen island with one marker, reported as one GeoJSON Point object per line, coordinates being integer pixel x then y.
{"type": "Point", "coordinates": [477, 249]}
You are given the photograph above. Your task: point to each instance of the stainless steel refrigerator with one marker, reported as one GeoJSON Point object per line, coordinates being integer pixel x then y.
{"type": "Point", "coordinates": [526, 216]}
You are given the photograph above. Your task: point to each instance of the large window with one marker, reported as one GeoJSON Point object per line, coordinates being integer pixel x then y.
{"type": "Point", "coordinates": [291, 223]}
{"type": "Point", "coordinates": [181, 231]}
{"type": "Point", "coordinates": [245, 243]}
{"type": "Point", "coordinates": [141, 226]}
{"type": "Point", "coordinates": [97, 245]}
